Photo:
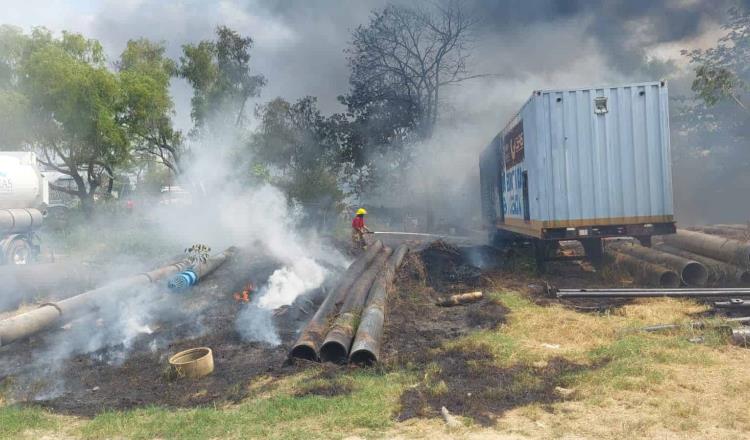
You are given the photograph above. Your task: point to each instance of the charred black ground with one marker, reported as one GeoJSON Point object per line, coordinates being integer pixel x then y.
{"type": "Point", "coordinates": [415, 332]}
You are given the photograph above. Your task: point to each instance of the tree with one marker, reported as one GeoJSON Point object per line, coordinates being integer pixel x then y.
{"type": "Point", "coordinates": [219, 72]}
{"type": "Point", "coordinates": [74, 103]}
{"type": "Point", "coordinates": [722, 72]}
{"type": "Point", "coordinates": [145, 75]}
{"type": "Point", "coordinates": [301, 151]}
{"type": "Point", "coordinates": [401, 61]}
{"type": "Point", "coordinates": [711, 129]}
{"type": "Point", "coordinates": [13, 104]}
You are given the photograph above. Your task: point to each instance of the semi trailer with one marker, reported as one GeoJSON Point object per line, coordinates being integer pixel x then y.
{"type": "Point", "coordinates": [24, 197]}
{"type": "Point", "coordinates": [581, 164]}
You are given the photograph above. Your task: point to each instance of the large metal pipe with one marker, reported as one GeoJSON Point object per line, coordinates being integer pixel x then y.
{"type": "Point", "coordinates": [719, 248]}
{"type": "Point", "coordinates": [189, 277]}
{"type": "Point", "coordinates": [18, 220]}
{"type": "Point", "coordinates": [719, 272]}
{"type": "Point", "coordinates": [691, 272]}
{"type": "Point", "coordinates": [645, 271]}
{"type": "Point", "coordinates": [366, 347]}
{"type": "Point", "coordinates": [309, 341]}
{"type": "Point", "coordinates": [339, 338]}
{"type": "Point", "coordinates": [649, 293]}
{"type": "Point", "coordinates": [29, 282]}
{"type": "Point", "coordinates": [722, 230]}
{"type": "Point", "coordinates": [49, 314]}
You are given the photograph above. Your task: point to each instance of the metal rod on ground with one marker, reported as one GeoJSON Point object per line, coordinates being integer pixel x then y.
{"type": "Point", "coordinates": [691, 272]}
{"type": "Point", "coordinates": [29, 282]}
{"type": "Point", "coordinates": [49, 314]}
{"type": "Point", "coordinates": [719, 248]}
{"type": "Point", "coordinates": [189, 277]}
{"type": "Point", "coordinates": [649, 293]}
{"type": "Point", "coordinates": [338, 340]}
{"type": "Point", "coordinates": [692, 325]}
{"type": "Point", "coordinates": [734, 303]}
{"type": "Point", "coordinates": [646, 272]}
{"type": "Point", "coordinates": [309, 341]}
{"type": "Point", "coordinates": [366, 347]}
{"type": "Point", "coordinates": [720, 273]}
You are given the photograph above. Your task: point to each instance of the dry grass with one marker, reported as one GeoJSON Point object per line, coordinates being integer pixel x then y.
{"type": "Point", "coordinates": [646, 386]}
{"type": "Point", "coordinates": [638, 385]}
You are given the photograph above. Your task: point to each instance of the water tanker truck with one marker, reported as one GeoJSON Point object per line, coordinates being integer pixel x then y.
{"type": "Point", "coordinates": [24, 197]}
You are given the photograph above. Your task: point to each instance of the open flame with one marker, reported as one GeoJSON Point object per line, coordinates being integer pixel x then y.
{"type": "Point", "coordinates": [244, 295]}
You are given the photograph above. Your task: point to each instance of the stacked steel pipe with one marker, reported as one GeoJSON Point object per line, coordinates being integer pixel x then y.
{"type": "Point", "coordinates": [50, 314]}
{"type": "Point", "coordinates": [646, 272]}
{"type": "Point", "coordinates": [719, 272]}
{"type": "Point", "coordinates": [730, 251]}
{"type": "Point", "coordinates": [691, 272]}
{"type": "Point", "coordinates": [334, 328]}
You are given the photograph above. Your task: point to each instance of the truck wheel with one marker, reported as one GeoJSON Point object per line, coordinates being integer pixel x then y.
{"type": "Point", "coordinates": [19, 252]}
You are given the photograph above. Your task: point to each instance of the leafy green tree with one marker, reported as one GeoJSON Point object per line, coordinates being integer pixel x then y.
{"type": "Point", "coordinates": [220, 74]}
{"type": "Point", "coordinates": [712, 130]}
{"type": "Point", "coordinates": [145, 74]}
{"type": "Point", "coordinates": [298, 149]}
{"type": "Point", "coordinates": [13, 104]}
{"type": "Point", "coordinates": [74, 104]}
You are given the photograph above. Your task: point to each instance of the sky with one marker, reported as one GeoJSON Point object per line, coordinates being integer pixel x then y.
{"type": "Point", "coordinates": [524, 45]}
{"type": "Point", "coordinates": [299, 44]}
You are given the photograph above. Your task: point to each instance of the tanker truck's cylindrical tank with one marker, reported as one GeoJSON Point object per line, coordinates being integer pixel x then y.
{"type": "Point", "coordinates": [21, 183]}
{"type": "Point", "coordinates": [19, 221]}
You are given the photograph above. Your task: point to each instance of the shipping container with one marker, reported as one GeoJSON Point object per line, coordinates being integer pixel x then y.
{"type": "Point", "coordinates": [582, 164]}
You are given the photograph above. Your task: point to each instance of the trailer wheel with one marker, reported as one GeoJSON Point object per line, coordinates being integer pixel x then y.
{"type": "Point", "coordinates": [19, 252]}
{"type": "Point", "coordinates": [542, 251]}
{"type": "Point", "coordinates": [594, 248]}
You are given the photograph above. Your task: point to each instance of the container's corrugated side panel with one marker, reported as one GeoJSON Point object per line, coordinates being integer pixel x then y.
{"type": "Point", "coordinates": [666, 151]}
{"type": "Point", "coordinates": [583, 129]}
{"type": "Point", "coordinates": [611, 165]}
{"type": "Point", "coordinates": [534, 158]}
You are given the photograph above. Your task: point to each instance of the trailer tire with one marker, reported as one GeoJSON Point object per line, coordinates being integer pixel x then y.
{"type": "Point", "coordinates": [594, 248]}
{"type": "Point", "coordinates": [19, 252]}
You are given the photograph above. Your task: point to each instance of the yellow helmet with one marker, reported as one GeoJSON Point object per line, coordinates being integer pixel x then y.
{"type": "Point", "coordinates": [361, 211]}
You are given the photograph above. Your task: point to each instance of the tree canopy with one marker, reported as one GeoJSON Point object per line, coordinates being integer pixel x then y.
{"type": "Point", "coordinates": [220, 74]}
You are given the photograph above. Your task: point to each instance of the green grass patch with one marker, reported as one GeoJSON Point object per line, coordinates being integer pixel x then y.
{"type": "Point", "coordinates": [631, 362]}
{"type": "Point", "coordinates": [14, 420]}
{"type": "Point", "coordinates": [369, 407]}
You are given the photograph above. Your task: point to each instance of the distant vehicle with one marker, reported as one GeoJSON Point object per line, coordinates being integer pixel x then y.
{"type": "Point", "coordinates": [175, 195]}
{"type": "Point", "coordinates": [24, 198]}
{"type": "Point", "coordinates": [581, 164]}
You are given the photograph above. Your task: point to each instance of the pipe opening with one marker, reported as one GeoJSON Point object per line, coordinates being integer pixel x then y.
{"type": "Point", "coordinates": [694, 274]}
{"type": "Point", "coordinates": [669, 279]}
{"type": "Point", "coordinates": [363, 357]}
{"type": "Point", "coordinates": [304, 352]}
{"type": "Point", "coordinates": [333, 352]}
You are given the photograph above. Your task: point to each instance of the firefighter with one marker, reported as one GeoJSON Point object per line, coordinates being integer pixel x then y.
{"type": "Point", "coordinates": [359, 229]}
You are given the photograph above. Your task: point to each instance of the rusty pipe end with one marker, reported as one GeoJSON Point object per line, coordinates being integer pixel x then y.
{"type": "Point", "coordinates": [695, 274]}
{"type": "Point", "coordinates": [304, 351]}
{"type": "Point", "coordinates": [363, 357]}
{"type": "Point", "coordinates": [334, 351]}
{"type": "Point", "coordinates": [669, 279]}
